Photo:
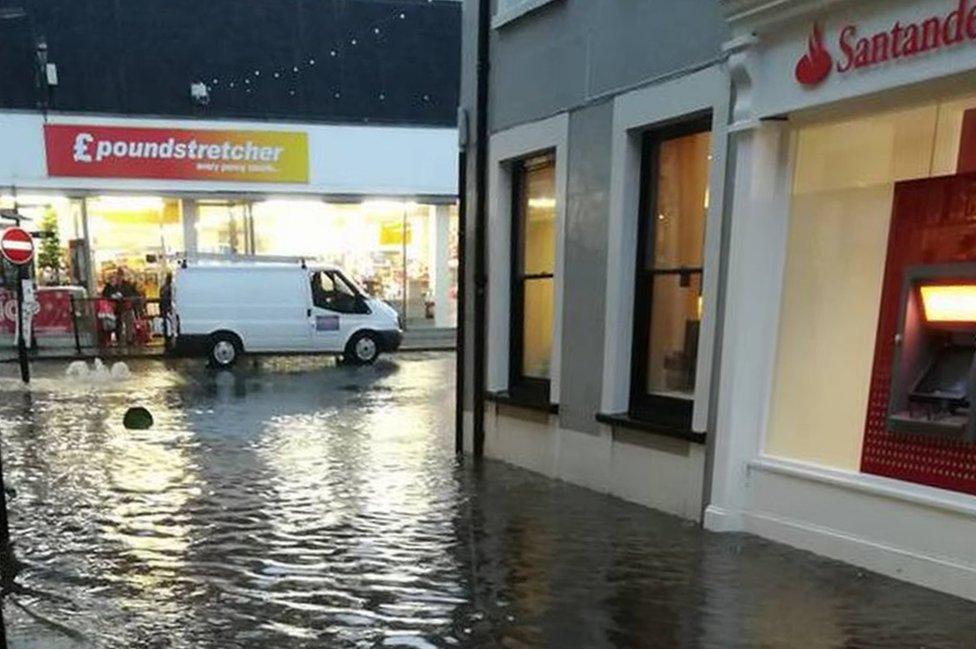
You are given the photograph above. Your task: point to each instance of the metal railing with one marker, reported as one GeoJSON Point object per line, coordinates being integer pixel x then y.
{"type": "Point", "coordinates": [94, 325]}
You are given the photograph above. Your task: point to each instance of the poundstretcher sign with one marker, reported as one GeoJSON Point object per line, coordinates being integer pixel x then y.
{"type": "Point", "coordinates": [903, 40]}
{"type": "Point", "coordinates": [85, 151]}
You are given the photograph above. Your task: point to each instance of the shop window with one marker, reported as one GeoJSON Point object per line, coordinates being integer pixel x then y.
{"type": "Point", "coordinates": [668, 295]}
{"type": "Point", "coordinates": [848, 203]}
{"type": "Point", "coordinates": [396, 250]}
{"type": "Point", "coordinates": [224, 228]}
{"type": "Point", "coordinates": [143, 235]}
{"type": "Point", "coordinates": [533, 266]}
{"type": "Point", "coordinates": [58, 222]}
{"type": "Point", "coordinates": [331, 291]}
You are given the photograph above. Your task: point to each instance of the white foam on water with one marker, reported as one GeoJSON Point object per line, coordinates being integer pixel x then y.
{"type": "Point", "coordinates": [120, 371]}
{"type": "Point", "coordinates": [98, 372]}
{"type": "Point", "coordinates": [413, 641]}
{"type": "Point", "coordinates": [77, 369]}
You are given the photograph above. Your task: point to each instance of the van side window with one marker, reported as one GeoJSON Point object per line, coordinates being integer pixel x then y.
{"type": "Point", "coordinates": [331, 292]}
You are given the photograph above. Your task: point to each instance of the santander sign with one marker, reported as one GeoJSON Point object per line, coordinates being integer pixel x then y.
{"type": "Point", "coordinates": [902, 41]}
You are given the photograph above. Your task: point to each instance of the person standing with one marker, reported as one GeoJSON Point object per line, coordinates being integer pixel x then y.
{"type": "Point", "coordinates": [131, 303]}
{"type": "Point", "coordinates": [123, 294]}
{"type": "Point", "coordinates": [166, 306]}
{"type": "Point", "coordinates": [113, 292]}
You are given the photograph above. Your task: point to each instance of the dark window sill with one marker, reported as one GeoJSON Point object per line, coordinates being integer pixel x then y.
{"type": "Point", "coordinates": [626, 421]}
{"type": "Point", "coordinates": [507, 399]}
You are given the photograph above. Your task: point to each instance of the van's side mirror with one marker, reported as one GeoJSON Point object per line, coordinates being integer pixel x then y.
{"type": "Point", "coordinates": [361, 306]}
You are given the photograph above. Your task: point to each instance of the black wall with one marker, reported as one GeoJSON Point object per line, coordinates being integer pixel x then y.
{"type": "Point", "coordinates": [139, 57]}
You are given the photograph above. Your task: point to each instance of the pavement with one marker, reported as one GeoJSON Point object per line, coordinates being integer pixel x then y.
{"type": "Point", "coordinates": [294, 503]}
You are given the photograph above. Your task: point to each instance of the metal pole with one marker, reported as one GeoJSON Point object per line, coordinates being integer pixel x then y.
{"type": "Point", "coordinates": [481, 227]}
{"type": "Point", "coordinates": [74, 325]}
{"type": "Point", "coordinates": [21, 339]}
{"type": "Point", "coordinates": [404, 239]}
{"type": "Point", "coordinates": [6, 552]}
{"type": "Point", "coordinates": [8, 566]}
{"type": "Point", "coordinates": [462, 294]}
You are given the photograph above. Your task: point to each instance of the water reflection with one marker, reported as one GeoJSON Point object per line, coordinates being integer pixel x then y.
{"type": "Point", "coordinates": [293, 503]}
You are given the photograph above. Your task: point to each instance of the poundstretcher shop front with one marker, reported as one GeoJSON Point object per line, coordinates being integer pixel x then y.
{"type": "Point", "coordinates": [143, 194]}
{"type": "Point", "coordinates": [846, 415]}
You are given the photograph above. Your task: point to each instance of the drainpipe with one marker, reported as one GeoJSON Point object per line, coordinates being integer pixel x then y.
{"type": "Point", "coordinates": [480, 226]}
{"type": "Point", "coordinates": [462, 293]}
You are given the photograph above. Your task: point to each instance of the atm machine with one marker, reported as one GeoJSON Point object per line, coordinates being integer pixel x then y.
{"type": "Point", "coordinates": [933, 376]}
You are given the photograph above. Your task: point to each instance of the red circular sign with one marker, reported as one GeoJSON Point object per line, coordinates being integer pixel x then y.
{"type": "Point", "coordinates": [17, 246]}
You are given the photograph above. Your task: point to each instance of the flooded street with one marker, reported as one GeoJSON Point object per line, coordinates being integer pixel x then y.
{"type": "Point", "coordinates": [294, 503]}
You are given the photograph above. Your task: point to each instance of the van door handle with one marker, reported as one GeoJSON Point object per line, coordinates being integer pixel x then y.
{"type": "Point", "coordinates": [308, 313]}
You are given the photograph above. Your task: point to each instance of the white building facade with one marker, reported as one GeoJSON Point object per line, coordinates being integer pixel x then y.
{"type": "Point", "coordinates": [851, 142]}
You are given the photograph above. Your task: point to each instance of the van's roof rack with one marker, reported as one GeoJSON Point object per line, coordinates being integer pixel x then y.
{"type": "Point", "coordinates": [215, 260]}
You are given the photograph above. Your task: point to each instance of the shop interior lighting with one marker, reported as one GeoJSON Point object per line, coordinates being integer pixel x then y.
{"type": "Point", "coordinates": [128, 203]}
{"type": "Point", "coordinates": [388, 206]}
{"type": "Point", "coordinates": [542, 203]}
{"type": "Point", "coordinates": [949, 303]}
{"type": "Point", "coordinates": [32, 200]}
{"type": "Point", "coordinates": [302, 206]}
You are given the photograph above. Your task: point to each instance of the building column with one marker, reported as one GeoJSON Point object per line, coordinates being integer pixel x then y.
{"type": "Point", "coordinates": [440, 269]}
{"type": "Point", "coordinates": [758, 220]}
{"type": "Point", "coordinates": [188, 212]}
{"type": "Point", "coordinates": [89, 251]}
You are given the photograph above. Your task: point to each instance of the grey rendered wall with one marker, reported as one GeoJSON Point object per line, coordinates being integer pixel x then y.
{"type": "Point", "coordinates": [575, 55]}
{"type": "Point", "coordinates": [572, 51]}
{"type": "Point", "coordinates": [584, 303]}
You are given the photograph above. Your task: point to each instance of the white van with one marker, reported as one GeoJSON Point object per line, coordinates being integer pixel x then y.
{"type": "Point", "coordinates": [224, 310]}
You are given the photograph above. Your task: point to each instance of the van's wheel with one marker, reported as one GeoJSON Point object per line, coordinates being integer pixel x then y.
{"type": "Point", "coordinates": [225, 349]}
{"type": "Point", "coordinates": [362, 349]}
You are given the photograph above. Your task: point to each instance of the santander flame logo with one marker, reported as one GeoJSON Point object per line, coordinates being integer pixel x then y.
{"type": "Point", "coordinates": [815, 65]}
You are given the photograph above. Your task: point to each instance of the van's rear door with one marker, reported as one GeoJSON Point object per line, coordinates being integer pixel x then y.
{"type": "Point", "coordinates": [267, 307]}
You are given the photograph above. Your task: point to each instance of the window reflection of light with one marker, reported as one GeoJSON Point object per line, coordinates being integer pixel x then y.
{"type": "Point", "coordinates": [369, 477]}
{"type": "Point", "coordinates": [153, 477]}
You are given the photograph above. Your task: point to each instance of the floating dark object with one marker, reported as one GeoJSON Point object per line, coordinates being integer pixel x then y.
{"type": "Point", "coordinates": [137, 418]}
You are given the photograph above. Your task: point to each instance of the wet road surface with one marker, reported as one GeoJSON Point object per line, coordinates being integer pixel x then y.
{"type": "Point", "coordinates": [293, 503]}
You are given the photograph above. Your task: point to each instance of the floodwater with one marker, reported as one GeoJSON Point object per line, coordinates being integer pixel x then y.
{"type": "Point", "coordinates": [294, 503]}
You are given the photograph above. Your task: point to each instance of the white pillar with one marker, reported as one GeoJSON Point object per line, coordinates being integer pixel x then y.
{"type": "Point", "coordinates": [440, 270]}
{"type": "Point", "coordinates": [189, 214]}
{"type": "Point", "coordinates": [90, 271]}
{"type": "Point", "coordinates": [756, 260]}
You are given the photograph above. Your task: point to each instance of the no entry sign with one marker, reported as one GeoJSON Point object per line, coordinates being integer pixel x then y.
{"type": "Point", "coordinates": [17, 246]}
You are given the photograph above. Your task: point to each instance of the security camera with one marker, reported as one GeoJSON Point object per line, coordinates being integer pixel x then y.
{"type": "Point", "coordinates": [200, 93]}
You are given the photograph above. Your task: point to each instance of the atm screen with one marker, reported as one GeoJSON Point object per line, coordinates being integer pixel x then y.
{"type": "Point", "coordinates": [949, 302]}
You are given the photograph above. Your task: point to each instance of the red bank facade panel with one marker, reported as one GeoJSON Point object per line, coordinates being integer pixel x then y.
{"type": "Point", "coordinates": [933, 222]}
